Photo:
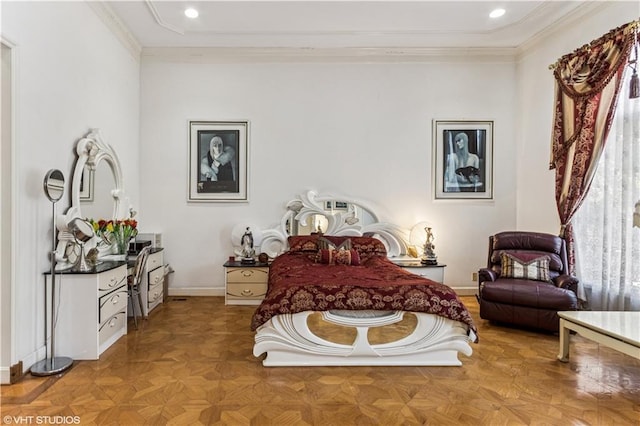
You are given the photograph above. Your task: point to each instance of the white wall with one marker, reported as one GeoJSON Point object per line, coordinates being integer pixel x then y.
{"type": "Point", "coordinates": [72, 74]}
{"type": "Point", "coordinates": [356, 128]}
{"type": "Point", "coordinates": [535, 197]}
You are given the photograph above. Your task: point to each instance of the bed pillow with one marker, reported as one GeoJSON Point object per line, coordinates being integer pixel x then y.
{"type": "Point", "coordinates": [303, 243]}
{"type": "Point", "coordinates": [335, 243]}
{"type": "Point", "coordinates": [338, 257]}
{"type": "Point", "coordinates": [368, 247]}
{"type": "Point", "coordinates": [536, 269]}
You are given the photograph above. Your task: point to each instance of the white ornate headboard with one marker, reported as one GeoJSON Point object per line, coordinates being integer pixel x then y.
{"type": "Point", "coordinates": [340, 216]}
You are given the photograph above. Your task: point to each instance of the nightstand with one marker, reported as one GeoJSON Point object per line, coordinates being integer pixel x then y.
{"type": "Point", "coordinates": [245, 284]}
{"type": "Point", "coordinates": [433, 272]}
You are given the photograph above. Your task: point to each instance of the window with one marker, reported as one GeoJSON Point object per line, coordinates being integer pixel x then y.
{"type": "Point", "coordinates": [607, 245]}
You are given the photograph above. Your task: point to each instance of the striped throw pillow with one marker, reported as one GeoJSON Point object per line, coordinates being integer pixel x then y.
{"type": "Point", "coordinates": [535, 269]}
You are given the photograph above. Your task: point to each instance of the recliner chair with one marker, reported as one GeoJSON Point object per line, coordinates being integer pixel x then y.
{"type": "Point", "coordinates": [537, 284]}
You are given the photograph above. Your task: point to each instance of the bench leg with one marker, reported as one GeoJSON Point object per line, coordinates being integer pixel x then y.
{"type": "Point", "coordinates": [563, 354]}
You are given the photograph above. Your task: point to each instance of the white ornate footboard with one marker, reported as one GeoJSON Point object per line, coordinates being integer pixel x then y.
{"type": "Point", "coordinates": [288, 341]}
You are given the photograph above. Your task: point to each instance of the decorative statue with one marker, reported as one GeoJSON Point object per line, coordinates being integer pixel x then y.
{"type": "Point", "coordinates": [247, 247]}
{"type": "Point", "coordinates": [429, 256]}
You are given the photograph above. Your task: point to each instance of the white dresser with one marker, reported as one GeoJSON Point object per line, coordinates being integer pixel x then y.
{"type": "Point", "coordinates": [91, 310]}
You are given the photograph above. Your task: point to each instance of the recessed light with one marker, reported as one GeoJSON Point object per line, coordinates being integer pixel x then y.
{"type": "Point", "coordinates": [191, 13]}
{"type": "Point", "coordinates": [496, 13]}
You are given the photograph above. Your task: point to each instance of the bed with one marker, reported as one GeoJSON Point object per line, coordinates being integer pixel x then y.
{"type": "Point", "coordinates": [332, 298]}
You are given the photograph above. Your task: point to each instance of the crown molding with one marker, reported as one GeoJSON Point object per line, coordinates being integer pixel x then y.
{"type": "Point", "coordinates": [111, 20]}
{"type": "Point", "coordinates": [359, 55]}
{"type": "Point", "coordinates": [574, 17]}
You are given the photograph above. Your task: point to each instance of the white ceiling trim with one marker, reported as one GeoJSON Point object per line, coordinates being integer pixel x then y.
{"type": "Point", "coordinates": [572, 18]}
{"type": "Point", "coordinates": [159, 20]}
{"type": "Point", "coordinates": [111, 20]}
{"type": "Point", "coordinates": [359, 55]}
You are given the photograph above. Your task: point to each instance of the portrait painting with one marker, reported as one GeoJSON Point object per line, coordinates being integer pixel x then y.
{"type": "Point", "coordinates": [463, 159]}
{"type": "Point", "coordinates": [218, 161]}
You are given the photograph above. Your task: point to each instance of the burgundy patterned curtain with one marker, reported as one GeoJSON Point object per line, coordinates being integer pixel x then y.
{"type": "Point", "coordinates": [586, 90]}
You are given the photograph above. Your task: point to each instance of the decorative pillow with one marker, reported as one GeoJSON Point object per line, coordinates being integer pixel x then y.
{"type": "Point", "coordinates": [303, 243]}
{"type": "Point", "coordinates": [325, 243]}
{"type": "Point", "coordinates": [530, 269]}
{"type": "Point", "coordinates": [368, 247]}
{"type": "Point", "coordinates": [338, 257]}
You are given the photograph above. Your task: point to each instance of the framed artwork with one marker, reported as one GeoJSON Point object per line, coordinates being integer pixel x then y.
{"type": "Point", "coordinates": [336, 205]}
{"type": "Point", "coordinates": [86, 184]}
{"type": "Point", "coordinates": [463, 159]}
{"type": "Point", "coordinates": [218, 161]}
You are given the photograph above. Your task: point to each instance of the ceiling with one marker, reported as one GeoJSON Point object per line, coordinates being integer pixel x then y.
{"type": "Point", "coordinates": [340, 24]}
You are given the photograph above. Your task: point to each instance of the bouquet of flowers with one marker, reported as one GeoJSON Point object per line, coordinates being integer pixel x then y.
{"type": "Point", "coordinates": [116, 232]}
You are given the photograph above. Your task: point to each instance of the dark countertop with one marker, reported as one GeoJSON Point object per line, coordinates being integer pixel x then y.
{"type": "Point", "coordinates": [102, 266]}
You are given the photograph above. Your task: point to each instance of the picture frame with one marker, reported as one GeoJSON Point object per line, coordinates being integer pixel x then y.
{"type": "Point", "coordinates": [218, 161]}
{"type": "Point", "coordinates": [463, 159]}
{"type": "Point", "coordinates": [86, 184]}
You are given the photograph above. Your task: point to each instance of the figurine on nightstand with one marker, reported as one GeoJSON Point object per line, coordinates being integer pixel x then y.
{"type": "Point", "coordinates": [247, 247]}
{"type": "Point", "coordinates": [429, 256]}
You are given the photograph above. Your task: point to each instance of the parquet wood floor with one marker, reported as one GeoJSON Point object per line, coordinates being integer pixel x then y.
{"type": "Point", "coordinates": [191, 363]}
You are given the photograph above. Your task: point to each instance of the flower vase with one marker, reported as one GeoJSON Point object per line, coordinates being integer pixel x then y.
{"type": "Point", "coordinates": [122, 246]}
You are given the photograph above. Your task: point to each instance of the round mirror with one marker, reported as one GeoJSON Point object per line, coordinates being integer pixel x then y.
{"type": "Point", "coordinates": [81, 229]}
{"type": "Point", "coordinates": [54, 185]}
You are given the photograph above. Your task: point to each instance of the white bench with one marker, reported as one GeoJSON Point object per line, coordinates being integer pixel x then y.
{"type": "Point", "coordinates": [615, 329]}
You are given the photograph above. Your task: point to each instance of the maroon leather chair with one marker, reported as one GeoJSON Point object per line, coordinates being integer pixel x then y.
{"type": "Point", "coordinates": [524, 302]}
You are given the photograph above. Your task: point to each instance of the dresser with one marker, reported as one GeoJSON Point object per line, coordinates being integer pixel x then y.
{"type": "Point", "coordinates": [152, 285]}
{"type": "Point", "coordinates": [245, 284]}
{"type": "Point", "coordinates": [91, 309]}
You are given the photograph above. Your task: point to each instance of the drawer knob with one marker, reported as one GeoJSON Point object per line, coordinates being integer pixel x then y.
{"type": "Point", "coordinates": [113, 322]}
{"type": "Point", "coordinates": [247, 293]}
{"type": "Point", "coordinates": [115, 299]}
{"type": "Point", "coordinates": [247, 273]}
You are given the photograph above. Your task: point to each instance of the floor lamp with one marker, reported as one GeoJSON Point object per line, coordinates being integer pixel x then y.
{"type": "Point", "coordinates": [53, 188]}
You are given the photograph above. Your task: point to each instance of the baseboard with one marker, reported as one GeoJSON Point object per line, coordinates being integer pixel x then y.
{"type": "Point", "coordinates": [5, 375]}
{"type": "Point", "coordinates": [466, 291]}
{"type": "Point", "coordinates": [195, 291]}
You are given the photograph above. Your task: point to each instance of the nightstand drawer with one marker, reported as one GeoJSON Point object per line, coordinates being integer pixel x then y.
{"type": "Point", "coordinates": [247, 275]}
{"type": "Point", "coordinates": [246, 290]}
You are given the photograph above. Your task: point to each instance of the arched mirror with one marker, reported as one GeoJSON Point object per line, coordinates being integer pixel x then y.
{"type": "Point", "coordinates": [97, 187]}
{"type": "Point", "coordinates": [97, 191]}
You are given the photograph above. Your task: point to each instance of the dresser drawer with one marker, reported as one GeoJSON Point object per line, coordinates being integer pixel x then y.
{"type": "Point", "coordinates": [112, 325]}
{"type": "Point", "coordinates": [154, 261]}
{"type": "Point", "coordinates": [113, 303]}
{"type": "Point", "coordinates": [248, 275]}
{"type": "Point", "coordinates": [246, 290]}
{"type": "Point", "coordinates": [155, 293]}
{"type": "Point", "coordinates": [112, 279]}
{"type": "Point", "coordinates": [156, 276]}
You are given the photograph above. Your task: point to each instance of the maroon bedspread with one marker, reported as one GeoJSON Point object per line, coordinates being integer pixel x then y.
{"type": "Point", "coordinates": [297, 284]}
